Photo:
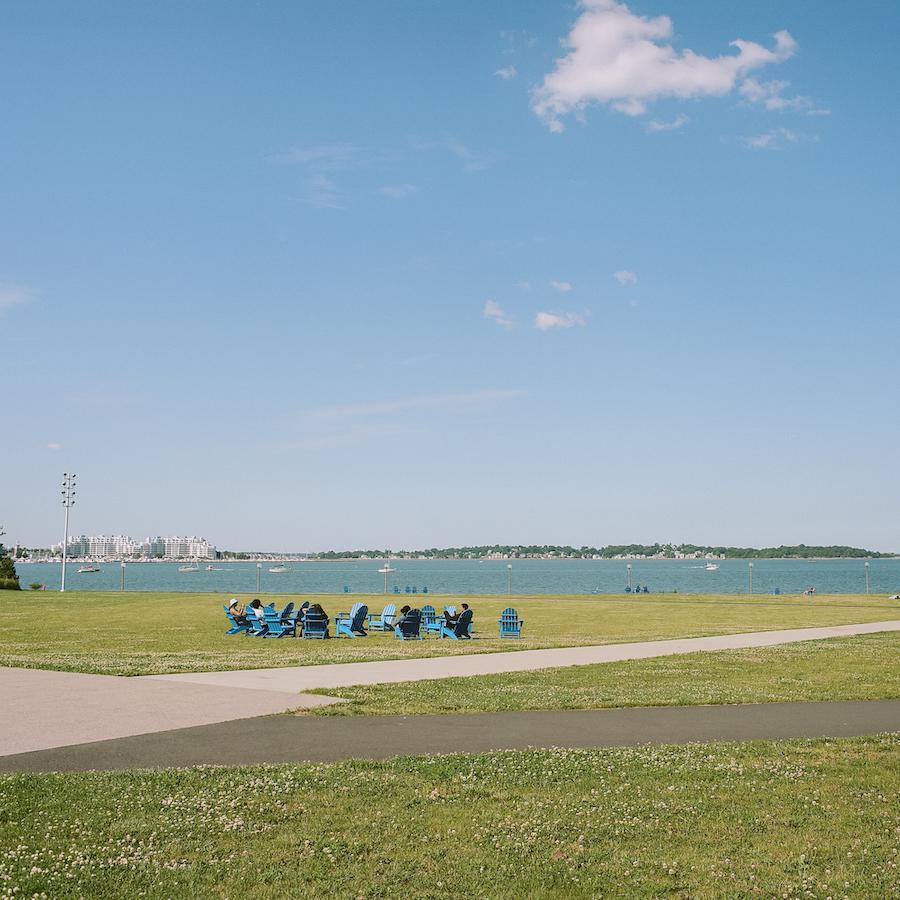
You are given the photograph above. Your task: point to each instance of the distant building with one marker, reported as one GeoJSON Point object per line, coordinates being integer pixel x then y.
{"type": "Point", "coordinates": [120, 546]}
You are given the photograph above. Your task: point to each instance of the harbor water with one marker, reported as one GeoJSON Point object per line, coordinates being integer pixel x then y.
{"type": "Point", "coordinates": [479, 577]}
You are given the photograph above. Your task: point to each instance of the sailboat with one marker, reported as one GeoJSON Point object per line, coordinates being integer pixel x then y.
{"type": "Point", "coordinates": [281, 567]}
{"type": "Point", "coordinates": [711, 567]}
{"type": "Point", "coordinates": [191, 567]}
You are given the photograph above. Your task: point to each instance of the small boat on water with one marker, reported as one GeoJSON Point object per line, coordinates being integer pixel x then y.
{"type": "Point", "coordinates": [213, 569]}
{"type": "Point", "coordinates": [193, 567]}
{"type": "Point", "coordinates": [711, 567]}
{"type": "Point", "coordinates": [90, 568]}
{"type": "Point", "coordinates": [278, 569]}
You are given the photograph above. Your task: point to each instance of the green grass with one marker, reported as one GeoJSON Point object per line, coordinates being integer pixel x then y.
{"type": "Point", "coordinates": [152, 633]}
{"type": "Point", "coordinates": [864, 667]}
{"type": "Point", "coordinates": [791, 819]}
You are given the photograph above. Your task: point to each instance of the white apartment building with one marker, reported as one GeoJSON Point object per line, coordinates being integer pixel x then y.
{"type": "Point", "coordinates": [120, 546]}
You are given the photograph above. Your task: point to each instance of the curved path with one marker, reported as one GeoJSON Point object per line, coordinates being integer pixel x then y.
{"type": "Point", "coordinates": [40, 709]}
{"type": "Point", "coordinates": [277, 739]}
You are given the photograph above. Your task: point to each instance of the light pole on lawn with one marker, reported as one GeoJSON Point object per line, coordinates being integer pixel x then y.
{"type": "Point", "coordinates": [508, 579]}
{"type": "Point", "coordinates": [867, 576]}
{"type": "Point", "coordinates": [68, 501]}
{"type": "Point", "coordinates": [750, 567]}
{"type": "Point", "coordinates": [122, 566]}
{"type": "Point", "coordinates": [628, 576]}
{"type": "Point", "coordinates": [258, 570]}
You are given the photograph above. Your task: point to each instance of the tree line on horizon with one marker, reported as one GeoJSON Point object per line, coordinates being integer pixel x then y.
{"type": "Point", "coordinates": [667, 551]}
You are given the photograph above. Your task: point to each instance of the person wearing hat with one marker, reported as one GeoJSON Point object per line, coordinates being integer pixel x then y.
{"type": "Point", "coordinates": [236, 610]}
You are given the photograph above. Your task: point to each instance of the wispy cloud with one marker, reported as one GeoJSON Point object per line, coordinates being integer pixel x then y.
{"type": "Point", "coordinates": [562, 286]}
{"type": "Point", "coordinates": [547, 321]}
{"type": "Point", "coordinates": [15, 295]}
{"type": "Point", "coordinates": [54, 446]}
{"type": "Point", "coordinates": [472, 160]}
{"type": "Point", "coordinates": [451, 402]}
{"type": "Point", "coordinates": [493, 311]}
{"type": "Point", "coordinates": [398, 191]}
{"type": "Point", "coordinates": [776, 139]}
{"type": "Point", "coordinates": [507, 72]}
{"type": "Point", "coordinates": [320, 156]}
{"type": "Point", "coordinates": [655, 126]}
{"type": "Point", "coordinates": [627, 61]}
{"type": "Point", "coordinates": [625, 276]}
{"type": "Point", "coordinates": [322, 193]}
{"type": "Point", "coordinates": [770, 94]}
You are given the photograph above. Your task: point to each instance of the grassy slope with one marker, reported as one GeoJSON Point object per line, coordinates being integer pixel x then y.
{"type": "Point", "coordinates": [865, 667]}
{"type": "Point", "coordinates": [147, 633]}
{"type": "Point", "coordinates": [792, 819]}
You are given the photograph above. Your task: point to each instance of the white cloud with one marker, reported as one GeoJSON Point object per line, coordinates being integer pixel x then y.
{"type": "Point", "coordinates": [623, 59]}
{"type": "Point", "coordinates": [562, 286]}
{"type": "Point", "coordinates": [507, 72]}
{"type": "Point", "coordinates": [626, 276]}
{"type": "Point", "coordinates": [454, 402]}
{"type": "Point", "coordinates": [54, 446]}
{"type": "Point", "coordinates": [545, 321]}
{"type": "Point", "coordinates": [15, 295]}
{"type": "Point", "coordinates": [770, 94]}
{"type": "Point", "coordinates": [322, 193]}
{"type": "Point", "coordinates": [772, 140]}
{"type": "Point", "coordinates": [399, 191]}
{"type": "Point", "coordinates": [493, 311]}
{"type": "Point", "coordinates": [679, 121]}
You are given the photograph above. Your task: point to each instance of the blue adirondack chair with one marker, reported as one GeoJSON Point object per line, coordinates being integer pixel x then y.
{"type": "Point", "coordinates": [315, 625]}
{"type": "Point", "coordinates": [464, 621]}
{"type": "Point", "coordinates": [385, 620]}
{"type": "Point", "coordinates": [430, 621]}
{"type": "Point", "coordinates": [425, 589]}
{"type": "Point", "coordinates": [409, 627]}
{"type": "Point", "coordinates": [238, 625]}
{"type": "Point", "coordinates": [257, 626]}
{"type": "Point", "coordinates": [510, 623]}
{"type": "Point", "coordinates": [276, 626]}
{"type": "Point", "coordinates": [351, 624]}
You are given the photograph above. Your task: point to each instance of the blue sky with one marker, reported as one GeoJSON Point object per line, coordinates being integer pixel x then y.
{"type": "Point", "coordinates": [247, 253]}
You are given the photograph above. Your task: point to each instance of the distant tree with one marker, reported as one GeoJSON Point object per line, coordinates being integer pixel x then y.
{"type": "Point", "coordinates": [9, 579]}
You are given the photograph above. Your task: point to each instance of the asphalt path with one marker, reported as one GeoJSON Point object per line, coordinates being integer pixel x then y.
{"type": "Point", "coordinates": [279, 739]}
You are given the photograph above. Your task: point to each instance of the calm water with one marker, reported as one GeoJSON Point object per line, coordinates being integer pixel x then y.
{"type": "Point", "coordinates": [842, 576]}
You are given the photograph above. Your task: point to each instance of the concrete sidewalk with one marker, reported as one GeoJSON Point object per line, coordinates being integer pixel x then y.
{"type": "Point", "coordinates": [278, 739]}
{"type": "Point", "coordinates": [40, 709]}
{"type": "Point", "coordinates": [296, 679]}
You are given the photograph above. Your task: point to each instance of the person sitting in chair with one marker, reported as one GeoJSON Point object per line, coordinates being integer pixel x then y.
{"type": "Point", "coordinates": [409, 621]}
{"type": "Point", "coordinates": [450, 617]}
{"type": "Point", "coordinates": [461, 629]}
{"type": "Point", "coordinates": [257, 609]}
{"type": "Point", "coordinates": [237, 611]}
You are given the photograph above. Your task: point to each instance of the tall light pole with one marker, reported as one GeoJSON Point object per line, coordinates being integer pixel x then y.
{"type": "Point", "coordinates": [867, 576]}
{"type": "Point", "coordinates": [258, 570]}
{"type": "Point", "coordinates": [68, 501]}
{"type": "Point", "coordinates": [122, 565]}
{"type": "Point", "coordinates": [628, 576]}
{"type": "Point", "coordinates": [751, 577]}
{"type": "Point", "coordinates": [509, 578]}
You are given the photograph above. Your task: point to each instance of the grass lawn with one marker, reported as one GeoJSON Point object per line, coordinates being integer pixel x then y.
{"type": "Point", "coordinates": [792, 819]}
{"type": "Point", "coordinates": [863, 667]}
{"type": "Point", "coordinates": [153, 633]}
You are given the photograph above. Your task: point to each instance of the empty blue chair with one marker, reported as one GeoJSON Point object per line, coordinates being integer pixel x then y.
{"type": "Point", "coordinates": [409, 627]}
{"type": "Point", "coordinates": [276, 626]}
{"type": "Point", "coordinates": [462, 630]}
{"type": "Point", "coordinates": [385, 620]}
{"type": "Point", "coordinates": [510, 623]}
{"type": "Point", "coordinates": [351, 624]}
{"type": "Point", "coordinates": [425, 589]}
{"type": "Point", "coordinates": [315, 625]}
{"type": "Point", "coordinates": [346, 589]}
{"type": "Point", "coordinates": [430, 621]}
{"type": "Point", "coordinates": [396, 589]}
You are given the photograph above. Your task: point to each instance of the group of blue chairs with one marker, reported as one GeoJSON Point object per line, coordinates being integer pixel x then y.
{"type": "Point", "coordinates": [637, 589]}
{"type": "Point", "coordinates": [414, 626]}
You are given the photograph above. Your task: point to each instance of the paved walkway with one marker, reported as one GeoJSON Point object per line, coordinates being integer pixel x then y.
{"type": "Point", "coordinates": [40, 710]}
{"type": "Point", "coordinates": [324, 739]}
{"type": "Point", "coordinates": [303, 678]}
